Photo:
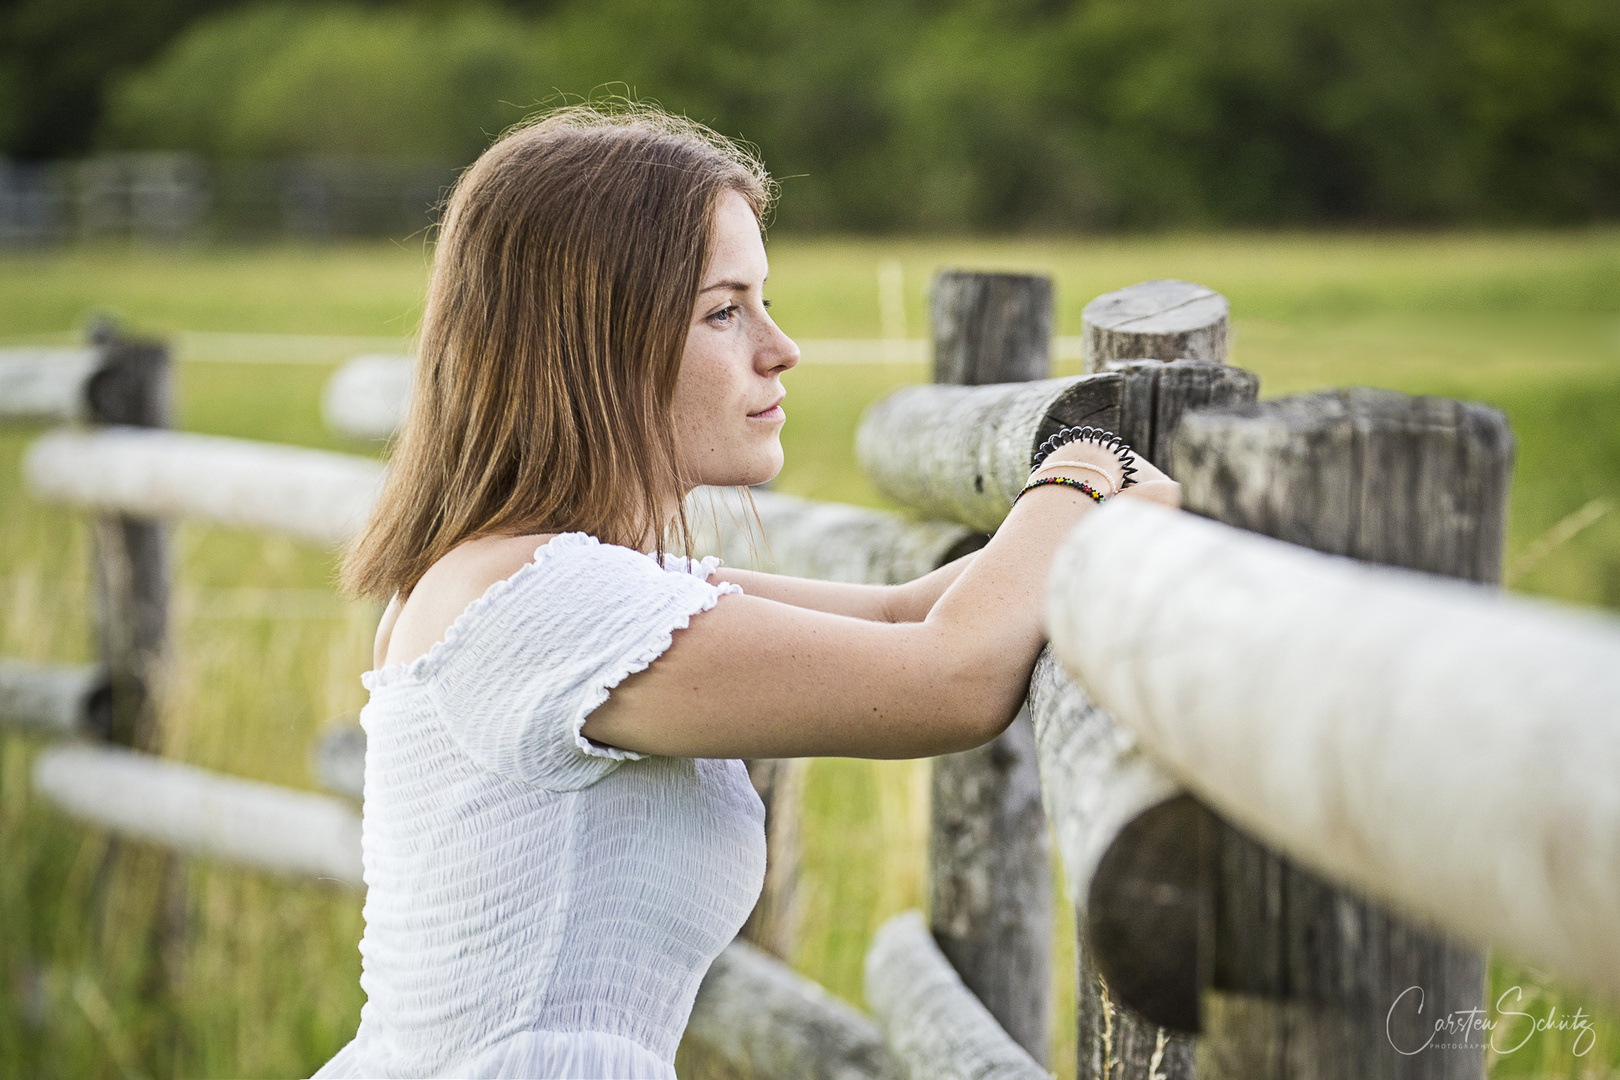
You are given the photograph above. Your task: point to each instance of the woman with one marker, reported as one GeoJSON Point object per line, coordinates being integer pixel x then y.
{"type": "Point", "coordinates": [558, 836]}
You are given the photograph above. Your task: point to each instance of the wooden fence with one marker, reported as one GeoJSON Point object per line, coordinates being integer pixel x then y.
{"type": "Point", "coordinates": [178, 197]}
{"type": "Point", "coordinates": [1287, 785]}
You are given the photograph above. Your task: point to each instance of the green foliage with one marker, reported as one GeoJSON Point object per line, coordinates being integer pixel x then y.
{"type": "Point", "coordinates": [956, 115]}
{"type": "Point", "coordinates": [287, 81]}
{"type": "Point", "coordinates": [57, 55]}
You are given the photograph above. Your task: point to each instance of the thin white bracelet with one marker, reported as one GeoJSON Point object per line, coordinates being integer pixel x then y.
{"type": "Point", "coordinates": [1113, 488]}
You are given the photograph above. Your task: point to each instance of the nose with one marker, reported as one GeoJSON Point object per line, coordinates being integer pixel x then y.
{"type": "Point", "coordinates": [777, 352]}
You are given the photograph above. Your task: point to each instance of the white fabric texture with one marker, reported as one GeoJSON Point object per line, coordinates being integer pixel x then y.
{"type": "Point", "coordinates": [540, 905]}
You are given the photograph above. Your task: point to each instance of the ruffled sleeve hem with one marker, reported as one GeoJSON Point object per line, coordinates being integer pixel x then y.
{"type": "Point", "coordinates": [656, 644]}
{"type": "Point", "coordinates": [702, 569]}
{"type": "Point", "coordinates": [523, 668]}
{"type": "Point", "coordinates": [423, 667]}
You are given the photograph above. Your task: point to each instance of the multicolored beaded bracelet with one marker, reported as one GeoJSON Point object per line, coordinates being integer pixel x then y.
{"type": "Point", "coordinates": [1042, 481]}
{"type": "Point", "coordinates": [1101, 436]}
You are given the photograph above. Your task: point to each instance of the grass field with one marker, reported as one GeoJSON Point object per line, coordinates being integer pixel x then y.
{"type": "Point", "coordinates": [264, 982]}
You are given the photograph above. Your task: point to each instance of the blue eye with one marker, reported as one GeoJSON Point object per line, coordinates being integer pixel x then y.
{"type": "Point", "coordinates": [725, 313]}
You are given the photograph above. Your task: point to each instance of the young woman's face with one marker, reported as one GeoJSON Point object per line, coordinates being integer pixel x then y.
{"type": "Point", "coordinates": [728, 395]}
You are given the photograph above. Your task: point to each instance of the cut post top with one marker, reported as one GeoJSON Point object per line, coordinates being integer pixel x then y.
{"type": "Point", "coordinates": [991, 328]}
{"type": "Point", "coordinates": [1155, 320]}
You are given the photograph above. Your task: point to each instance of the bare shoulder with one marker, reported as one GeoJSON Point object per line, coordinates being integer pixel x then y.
{"type": "Point", "coordinates": [412, 627]}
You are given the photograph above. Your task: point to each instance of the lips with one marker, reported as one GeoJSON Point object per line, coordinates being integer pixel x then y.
{"type": "Point", "coordinates": [774, 412]}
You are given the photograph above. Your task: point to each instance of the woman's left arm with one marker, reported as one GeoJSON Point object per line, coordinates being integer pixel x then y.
{"type": "Point", "coordinates": [909, 602]}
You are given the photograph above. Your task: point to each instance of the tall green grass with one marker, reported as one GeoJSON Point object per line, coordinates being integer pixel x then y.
{"type": "Point", "coordinates": [263, 980]}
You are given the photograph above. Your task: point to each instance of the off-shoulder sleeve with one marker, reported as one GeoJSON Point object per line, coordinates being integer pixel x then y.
{"type": "Point", "coordinates": [566, 629]}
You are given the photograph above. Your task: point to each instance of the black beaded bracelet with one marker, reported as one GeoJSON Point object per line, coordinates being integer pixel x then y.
{"type": "Point", "coordinates": [1106, 439]}
{"type": "Point", "coordinates": [1090, 492]}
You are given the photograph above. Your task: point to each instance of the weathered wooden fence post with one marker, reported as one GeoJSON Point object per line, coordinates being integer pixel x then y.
{"type": "Point", "coordinates": [1168, 339]}
{"type": "Point", "coordinates": [774, 923]}
{"type": "Point", "coordinates": [990, 886]}
{"type": "Point", "coordinates": [131, 575]}
{"type": "Point", "coordinates": [131, 570]}
{"type": "Point", "coordinates": [1306, 977]}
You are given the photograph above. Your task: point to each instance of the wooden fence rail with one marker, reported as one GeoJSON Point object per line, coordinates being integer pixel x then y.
{"type": "Point", "coordinates": [960, 453]}
{"type": "Point", "coordinates": [934, 1023]}
{"type": "Point", "coordinates": [47, 384]}
{"type": "Point", "coordinates": [312, 494]}
{"type": "Point", "coordinates": [1354, 715]}
{"type": "Point", "coordinates": [58, 699]}
{"type": "Point", "coordinates": [197, 812]}
{"type": "Point", "coordinates": [366, 398]}
{"type": "Point", "coordinates": [1105, 796]}
{"type": "Point", "coordinates": [754, 1014]}
{"type": "Point", "coordinates": [757, 1017]}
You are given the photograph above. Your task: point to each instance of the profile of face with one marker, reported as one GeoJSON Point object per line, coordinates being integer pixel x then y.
{"type": "Point", "coordinates": [728, 395]}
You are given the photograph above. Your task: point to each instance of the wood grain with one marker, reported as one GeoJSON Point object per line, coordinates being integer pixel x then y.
{"type": "Point", "coordinates": [755, 1018]}
{"type": "Point", "coordinates": [935, 1025]}
{"type": "Point", "coordinates": [990, 328]}
{"type": "Point", "coordinates": [1154, 320]}
{"type": "Point", "coordinates": [965, 451]}
{"type": "Point", "coordinates": [1353, 716]}
{"type": "Point", "coordinates": [1133, 849]}
{"type": "Point", "coordinates": [962, 453]}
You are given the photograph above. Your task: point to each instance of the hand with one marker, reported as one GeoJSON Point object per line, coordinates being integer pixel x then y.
{"type": "Point", "coordinates": [1089, 453]}
{"type": "Point", "coordinates": [1153, 486]}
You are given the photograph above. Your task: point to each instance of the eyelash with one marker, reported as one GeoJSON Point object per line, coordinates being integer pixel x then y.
{"type": "Point", "coordinates": [729, 308]}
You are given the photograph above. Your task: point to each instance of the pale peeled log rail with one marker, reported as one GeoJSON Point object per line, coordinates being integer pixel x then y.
{"type": "Point", "coordinates": [822, 540]}
{"type": "Point", "coordinates": [57, 699]}
{"type": "Point", "coordinates": [1155, 320]}
{"type": "Point", "coordinates": [934, 1024]}
{"type": "Point", "coordinates": [1120, 820]}
{"type": "Point", "coordinates": [47, 384]}
{"type": "Point", "coordinates": [367, 397]}
{"type": "Point", "coordinates": [756, 1017]}
{"type": "Point", "coordinates": [1095, 776]}
{"type": "Point", "coordinates": [197, 812]}
{"type": "Point", "coordinates": [962, 453]}
{"type": "Point", "coordinates": [312, 494]}
{"type": "Point", "coordinates": [1352, 715]}
{"type": "Point", "coordinates": [325, 496]}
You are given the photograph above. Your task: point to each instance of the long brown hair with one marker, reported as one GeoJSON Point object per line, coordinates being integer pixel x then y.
{"type": "Point", "coordinates": [563, 282]}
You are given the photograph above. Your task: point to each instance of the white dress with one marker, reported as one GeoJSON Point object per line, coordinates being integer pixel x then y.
{"type": "Point", "coordinates": [539, 905]}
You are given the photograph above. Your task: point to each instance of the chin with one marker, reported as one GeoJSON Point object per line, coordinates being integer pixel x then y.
{"type": "Point", "coordinates": [757, 470]}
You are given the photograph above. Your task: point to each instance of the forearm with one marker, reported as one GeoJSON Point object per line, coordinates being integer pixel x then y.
{"type": "Point", "coordinates": [912, 601]}
{"type": "Point", "coordinates": [909, 602]}
{"type": "Point", "coordinates": [834, 597]}
{"type": "Point", "coordinates": [993, 609]}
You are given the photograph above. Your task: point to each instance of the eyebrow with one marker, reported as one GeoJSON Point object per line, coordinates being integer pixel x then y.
{"type": "Point", "coordinates": [733, 286]}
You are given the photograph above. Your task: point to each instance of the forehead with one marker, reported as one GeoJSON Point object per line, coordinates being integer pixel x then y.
{"type": "Point", "coordinates": [737, 249]}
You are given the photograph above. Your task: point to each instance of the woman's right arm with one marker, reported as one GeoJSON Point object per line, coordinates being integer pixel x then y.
{"type": "Point", "coordinates": [758, 678]}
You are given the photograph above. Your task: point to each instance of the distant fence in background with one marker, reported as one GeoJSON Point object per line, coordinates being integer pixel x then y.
{"type": "Point", "coordinates": [168, 197]}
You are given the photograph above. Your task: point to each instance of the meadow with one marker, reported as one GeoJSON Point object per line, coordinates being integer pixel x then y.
{"type": "Point", "coordinates": [258, 976]}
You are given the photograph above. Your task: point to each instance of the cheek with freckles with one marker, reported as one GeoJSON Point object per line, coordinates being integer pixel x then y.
{"type": "Point", "coordinates": [718, 443]}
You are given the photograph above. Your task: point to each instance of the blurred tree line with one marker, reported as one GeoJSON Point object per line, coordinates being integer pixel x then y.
{"type": "Point", "coordinates": [906, 114]}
